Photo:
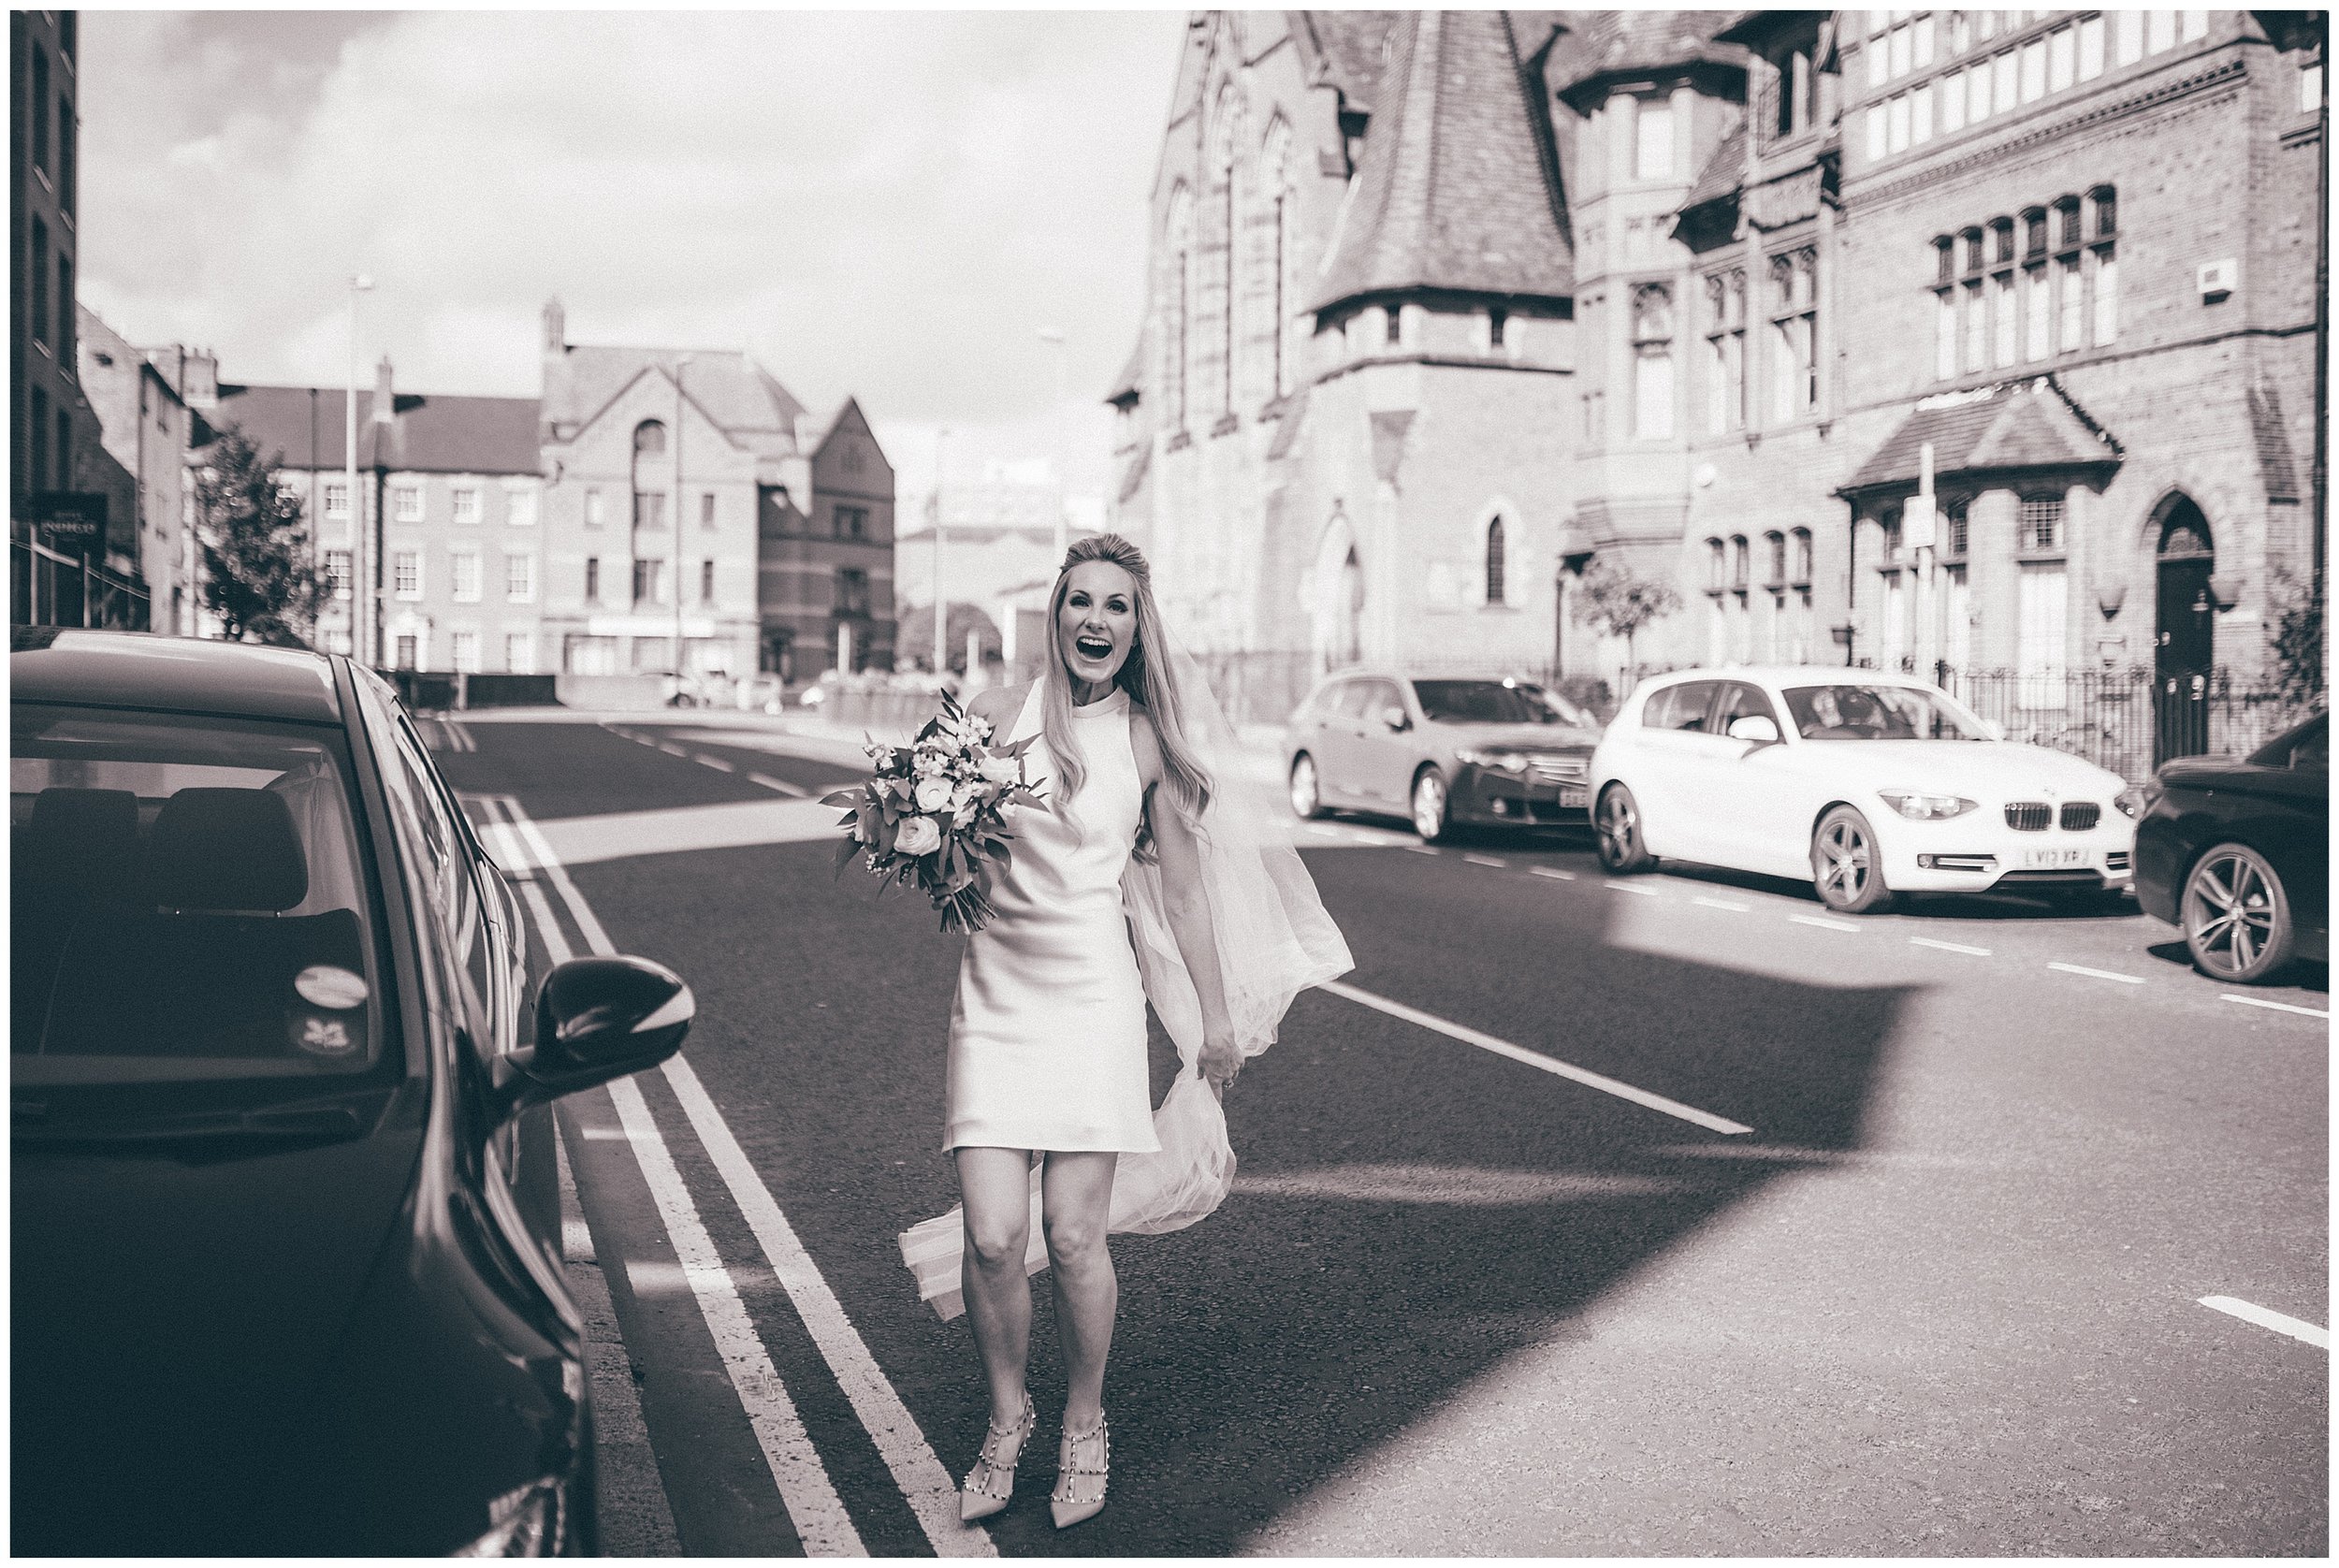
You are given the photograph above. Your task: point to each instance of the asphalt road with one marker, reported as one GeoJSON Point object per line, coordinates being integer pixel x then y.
{"type": "Point", "coordinates": [1821, 1236]}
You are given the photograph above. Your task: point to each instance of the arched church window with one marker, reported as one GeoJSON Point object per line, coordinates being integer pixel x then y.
{"type": "Point", "coordinates": [649, 438]}
{"type": "Point", "coordinates": [1494, 562]}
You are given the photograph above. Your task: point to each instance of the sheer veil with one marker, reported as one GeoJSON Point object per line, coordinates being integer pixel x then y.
{"type": "Point", "coordinates": [1273, 940]}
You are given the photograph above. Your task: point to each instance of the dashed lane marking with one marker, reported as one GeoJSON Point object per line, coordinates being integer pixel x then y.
{"type": "Point", "coordinates": [2277, 1006]}
{"type": "Point", "coordinates": [1553, 872]}
{"type": "Point", "coordinates": [1948, 947]}
{"type": "Point", "coordinates": [1488, 860]}
{"type": "Point", "coordinates": [714, 763]}
{"type": "Point", "coordinates": [1422, 848]}
{"type": "Point", "coordinates": [2098, 974]}
{"type": "Point", "coordinates": [813, 1507]}
{"type": "Point", "coordinates": [1823, 922]}
{"type": "Point", "coordinates": [1722, 903]}
{"type": "Point", "coordinates": [2266, 1317]}
{"type": "Point", "coordinates": [1536, 1059]}
{"type": "Point", "coordinates": [781, 784]}
{"type": "Point", "coordinates": [1632, 887]}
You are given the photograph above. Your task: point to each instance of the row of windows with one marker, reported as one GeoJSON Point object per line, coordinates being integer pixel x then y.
{"type": "Point", "coordinates": [465, 575]}
{"type": "Point", "coordinates": [1787, 555]}
{"type": "Point", "coordinates": [52, 315]}
{"type": "Point", "coordinates": [464, 504]}
{"type": "Point", "coordinates": [2001, 82]}
{"type": "Point", "coordinates": [2039, 524]}
{"type": "Point", "coordinates": [1992, 312]}
{"type": "Point", "coordinates": [55, 112]}
{"type": "Point", "coordinates": [1223, 303]}
{"type": "Point", "coordinates": [2042, 624]}
{"type": "Point", "coordinates": [519, 651]}
{"type": "Point", "coordinates": [650, 510]}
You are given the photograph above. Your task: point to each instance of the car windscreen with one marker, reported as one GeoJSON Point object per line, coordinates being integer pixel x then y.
{"type": "Point", "coordinates": [1483, 702]}
{"type": "Point", "coordinates": [189, 902]}
{"type": "Point", "coordinates": [1856, 710]}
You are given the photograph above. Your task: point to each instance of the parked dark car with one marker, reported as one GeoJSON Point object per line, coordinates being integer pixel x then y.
{"type": "Point", "coordinates": [1443, 752]}
{"type": "Point", "coordinates": [2236, 853]}
{"type": "Point", "coordinates": [274, 1291]}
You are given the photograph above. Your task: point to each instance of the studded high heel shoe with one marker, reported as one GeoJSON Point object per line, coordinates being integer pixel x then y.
{"type": "Point", "coordinates": [1065, 1503]}
{"type": "Point", "coordinates": [995, 1465]}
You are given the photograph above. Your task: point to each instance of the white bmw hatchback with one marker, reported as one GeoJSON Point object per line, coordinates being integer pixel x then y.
{"type": "Point", "coordinates": [1868, 783]}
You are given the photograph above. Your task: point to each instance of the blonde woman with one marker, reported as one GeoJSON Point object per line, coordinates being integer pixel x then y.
{"type": "Point", "coordinates": [1047, 1044]}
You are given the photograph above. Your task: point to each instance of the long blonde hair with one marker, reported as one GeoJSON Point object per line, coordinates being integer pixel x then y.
{"type": "Point", "coordinates": [1147, 679]}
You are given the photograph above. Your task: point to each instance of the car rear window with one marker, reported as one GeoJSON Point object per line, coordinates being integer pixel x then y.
{"type": "Point", "coordinates": [189, 901]}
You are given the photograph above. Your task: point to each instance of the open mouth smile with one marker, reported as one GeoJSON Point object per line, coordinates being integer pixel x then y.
{"type": "Point", "coordinates": [1093, 647]}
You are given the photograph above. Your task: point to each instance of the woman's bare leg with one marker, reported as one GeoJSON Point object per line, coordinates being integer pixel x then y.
{"type": "Point", "coordinates": [995, 1187]}
{"type": "Point", "coordinates": [1075, 1201]}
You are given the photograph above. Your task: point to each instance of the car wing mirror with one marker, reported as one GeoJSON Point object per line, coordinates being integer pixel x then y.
{"type": "Point", "coordinates": [1755, 727]}
{"type": "Point", "coordinates": [1395, 718]}
{"type": "Point", "coordinates": [597, 1019]}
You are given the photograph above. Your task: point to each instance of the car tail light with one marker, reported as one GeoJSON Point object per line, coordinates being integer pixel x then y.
{"type": "Point", "coordinates": [2029, 815]}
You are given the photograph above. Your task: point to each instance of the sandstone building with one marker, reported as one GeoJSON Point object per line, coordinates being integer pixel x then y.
{"type": "Point", "coordinates": [1446, 307]}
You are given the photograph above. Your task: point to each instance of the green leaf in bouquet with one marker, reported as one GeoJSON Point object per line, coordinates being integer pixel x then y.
{"type": "Point", "coordinates": [847, 798]}
{"type": "Point", "coordinates": [844, 853]}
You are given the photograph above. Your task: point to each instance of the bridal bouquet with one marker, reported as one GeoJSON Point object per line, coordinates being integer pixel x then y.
{"type": "Point", "coordinates": [934, 813]}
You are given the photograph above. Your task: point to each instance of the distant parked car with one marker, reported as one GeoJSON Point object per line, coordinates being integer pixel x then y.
{"type": "Point", "coordinates": [2237, 855]}
{"type": "Point", "coordinates": [276, 1288]}
{"type": "Point", "coordinates": [1443, 752]}
{"type": "Point", "coordinates": [1867, 783]}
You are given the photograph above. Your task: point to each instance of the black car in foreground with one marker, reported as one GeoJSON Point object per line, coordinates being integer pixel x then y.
{"type": "Point", "coordinates": [2237, 853]}
{"type": "Point", "coordinates": [274, 1291]}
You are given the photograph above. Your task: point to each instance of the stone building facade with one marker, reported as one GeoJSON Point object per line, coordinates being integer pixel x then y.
{"type": "Point", "coordinates": [1445, 307]}
{"type": "Point", "coordinates": [146, 426]}
{"type": "Point", "coordinates": [827, 567]}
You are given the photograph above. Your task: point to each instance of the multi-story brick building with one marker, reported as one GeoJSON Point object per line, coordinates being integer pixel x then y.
{"type": "Point", "coordinates": [1444, 306]}
{"type": "Point", "coordinates": [145, 423]}
{"type": "Point", "coordinates": [541, 534]}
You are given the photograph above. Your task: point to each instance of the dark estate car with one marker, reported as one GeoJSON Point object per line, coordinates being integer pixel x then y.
{"type": "Point", "coordinates": [1443, 752]}
{"type": "Point", "coordinates": [2237, 853]}
{"type": "Point", "coordinates": [286, 1270]}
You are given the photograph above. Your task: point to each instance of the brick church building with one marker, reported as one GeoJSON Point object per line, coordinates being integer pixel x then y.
{"type": "Point", "coordinates": [1445, 307]}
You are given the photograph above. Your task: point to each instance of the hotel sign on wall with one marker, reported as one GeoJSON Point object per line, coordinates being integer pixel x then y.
{"type": "Point", "coordinates": [70, 520]}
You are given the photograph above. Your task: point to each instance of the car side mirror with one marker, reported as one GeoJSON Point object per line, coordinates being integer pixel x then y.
{"type": "Point", "coordinates": [1755, 727]}
{"type": "Point", "coordinates": [1395, 718]}
{"type": "Point", "coordinates": [597, 1019]}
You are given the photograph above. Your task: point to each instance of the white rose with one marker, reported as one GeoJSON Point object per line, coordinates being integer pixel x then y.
{"type": "Point", "coordinates": [917, 835]}
{"type": "Point", "coordinates": [962, 797]}
{"type": "Point", "coordinates": [933, 793]}
{"type": "Point", "coordinates": [999, 770]}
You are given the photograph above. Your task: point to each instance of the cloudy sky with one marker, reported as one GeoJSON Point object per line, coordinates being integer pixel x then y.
{"type": "Point", "coordinates": [885, 203]}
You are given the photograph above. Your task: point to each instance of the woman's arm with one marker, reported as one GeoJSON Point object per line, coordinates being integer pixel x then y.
{"type": "Point", "coordinates": [1186, 907]}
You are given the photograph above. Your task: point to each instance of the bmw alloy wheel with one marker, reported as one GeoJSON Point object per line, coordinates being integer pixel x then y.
{"type": "Point", "coordinates": [1306, 796]}
{"type": "Point", "coordinates": [1846, 870]}
{"type": "Point", "coordinates": [1618, 823]}
{"type": "Point", "coordinates": [2237, 915]}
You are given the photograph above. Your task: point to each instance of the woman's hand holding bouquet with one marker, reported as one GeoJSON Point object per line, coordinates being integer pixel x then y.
{"type": "Point", "coordinates": [934, 814]}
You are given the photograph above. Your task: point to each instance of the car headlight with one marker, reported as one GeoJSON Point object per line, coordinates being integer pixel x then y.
{"type": "Point", "coordinates": [1499, 762]}
{"type": "Point", "coordinates": [2137, 799]}
{"type": "Point", "coordinates": [1920, 806]}
{"type": "Point", "coordinates": [523, 1522]}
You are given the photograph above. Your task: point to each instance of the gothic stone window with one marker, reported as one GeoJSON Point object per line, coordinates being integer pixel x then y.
{"type": "Point", "coordinates": [1794, 332]}
{"type": "Point", "coordinates": [1652, 362]}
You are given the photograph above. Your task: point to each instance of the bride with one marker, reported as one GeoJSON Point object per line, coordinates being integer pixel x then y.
{"type": "Point", "coordinates": [1143, 877]}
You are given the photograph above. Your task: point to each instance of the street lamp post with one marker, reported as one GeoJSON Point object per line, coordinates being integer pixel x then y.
{"type": "Point", "coordinates": [1053, 336]}
{"type": "Point", "coordinates": [941, 600]}
{"type": "Point", "coordinates": [681, 364]}
{"type": "Point", "coordinates": [361, 552]}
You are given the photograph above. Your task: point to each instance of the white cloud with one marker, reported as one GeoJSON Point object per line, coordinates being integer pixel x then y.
{"type": "Point", "coordinates": [884, 204]}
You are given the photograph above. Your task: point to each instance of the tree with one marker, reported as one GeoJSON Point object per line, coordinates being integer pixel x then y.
{"type": "Point", "coordinates": [1615, 604]}
{"type": "Point", "coordinates": [258, 574]}
{"type": "Point", "coordinates": [2296, 639]}
{"type": "Point", "coordinates": [914, 634]}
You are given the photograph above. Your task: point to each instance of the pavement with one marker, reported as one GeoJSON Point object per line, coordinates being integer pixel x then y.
{"type": "Point", "coordinates": [1589, 1216]}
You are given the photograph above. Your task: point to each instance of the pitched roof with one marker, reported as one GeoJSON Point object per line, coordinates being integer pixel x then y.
{"type": "Point", "coordinates": [1456, 186]}
{"type": "Point", "coordinates": [2016, 425]}
{"type": "Point", "coordinates": [730, 389]}
{"type": "Point", "coordinates": [1346, 50]}
{"type": "Point", "coordinates": [1723, 172]}
{"type": "Point", "coordinates": [1606, 44]}
{"type": "Point", "coordinates": [429, 434]}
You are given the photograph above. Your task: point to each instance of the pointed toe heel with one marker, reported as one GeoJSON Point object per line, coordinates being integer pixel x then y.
{"type": "Point", "coordinates": [991, 1483]}
{"type": "Point", "coordinates": [1066, 1503]}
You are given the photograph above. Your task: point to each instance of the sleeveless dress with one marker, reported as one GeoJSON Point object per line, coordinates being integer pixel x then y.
{"type": "Point", "coordinates": [1048, 1032]}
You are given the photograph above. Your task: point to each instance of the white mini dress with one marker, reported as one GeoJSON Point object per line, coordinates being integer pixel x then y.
{"type": "Point", "coordinates": [1048, 1032]}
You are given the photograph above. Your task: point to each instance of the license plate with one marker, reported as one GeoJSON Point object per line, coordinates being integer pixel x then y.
{"type": "Point", "coordinates": [1570, 795]}
{"type": "Point", "coordinates": [2053, 859]}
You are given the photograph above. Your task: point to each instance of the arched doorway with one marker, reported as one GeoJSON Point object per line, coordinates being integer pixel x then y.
{"type": "Point", "coordinates": [2185, 630]}
{"type": "Point", "coordinates": [1338, 609]}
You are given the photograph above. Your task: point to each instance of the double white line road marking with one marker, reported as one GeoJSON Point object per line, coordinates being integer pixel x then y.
{"type": "Point", "coordinates": [813, 1505]}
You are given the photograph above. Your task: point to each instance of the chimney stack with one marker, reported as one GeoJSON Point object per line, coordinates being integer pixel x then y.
{"type": "Point", "coordinates": [384, 403]}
